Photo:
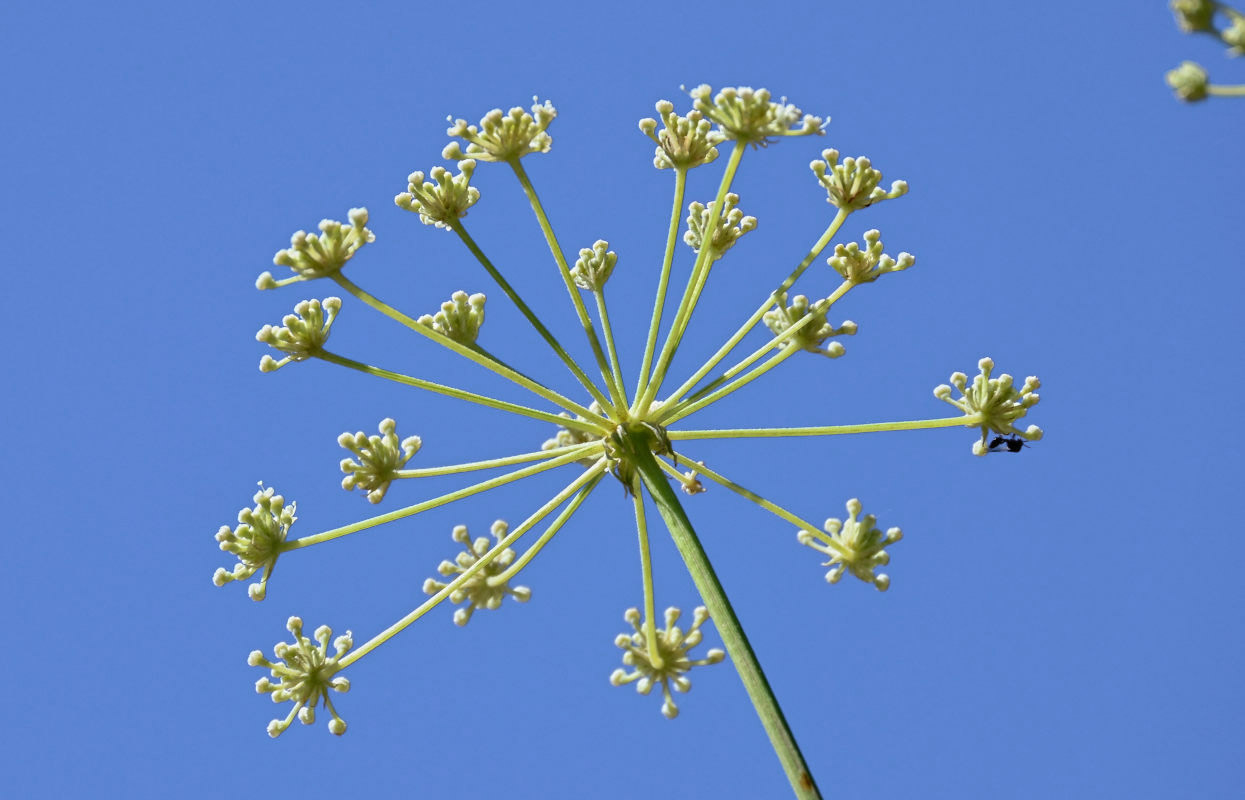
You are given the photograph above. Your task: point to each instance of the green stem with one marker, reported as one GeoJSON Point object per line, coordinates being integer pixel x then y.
{"type": "Point", "coordinates": [966, 420]}
{"type": "Point", "coordinates": [646, 578]}
{"type": "Point", "coordinates": [466, 352]}
{"type": "Point", "coordinates": [527, 312]}
{"type": "Point", "coordinates": [770, 506]}
{"type": "Point", "coordinates": [663, 282]}
{"type": "Point", "coordinates": [695, 282]}
{"type": "Point", "coordinates": [616, 378]}
{"type": "Point", "coordinates": [729, 628]}
{"type": "Point", "coordinates": [402, 513]}
{"type": "Point", "coordinates": [456, 469]}
{"type": "Point", "coordinates": [459, 394]}
{"type": "Point", "coordinates": [489, 355]}
{"type": "Point", "coordinates": [672, 405]}
{"type": "Point", "coordinates": [786, 284]}
{"type": "Point", "coordinates": [482, 562]}
{"type": "Point", "coordinates": [1226, 91]}
{"type": "Point", "coordinates": [556, 249]}
{"type": "Point", "coordinates": [685, 409]}
{"type": "Point", "coordinates": [571, 507]}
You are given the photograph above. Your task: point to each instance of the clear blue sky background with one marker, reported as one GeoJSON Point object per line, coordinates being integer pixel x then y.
{"type": "Point", "coordinates": [1065, 622]}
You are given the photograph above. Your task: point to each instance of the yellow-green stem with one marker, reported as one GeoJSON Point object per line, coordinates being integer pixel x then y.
{"type": "Point", "coordinates": [527, 312]}
{"type": "Point", "coordinates": [456, 469]}
{"type": "Point", "coordinates": [617, 387]}
{"type": "Point", "coordinates": [671, 406]}
{"type": "Point", "coordinates": [966, 420]}
{"type": "Point", "coordinates": [460, 394]}
{"type": "Point", "coordinates": [771, 507]}
{"type": "Point", "coordinates": [466, 352]}
{"type": "Point", "coordinates": [695, 281]}
{"type": "Point", "coordinates": [785, 285]}
{"type": "Point", "coordinates": [663, 283]}
{"type": "Point", "coordinates": [555, 248]}
{"type": "Point", "coordinates": [554, 527]}
{"type": "Point", "coordinates": [587, 450]}
{"type": "Point", "coordinates": [682, 411]}
{"type": "Point", "coordinates": [481, 563]}
{"type": "Point", "coordinates": [646, 577]}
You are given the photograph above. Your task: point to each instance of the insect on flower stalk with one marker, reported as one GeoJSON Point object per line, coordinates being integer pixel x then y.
{"type": "Point", "coordinates": [635, 430]}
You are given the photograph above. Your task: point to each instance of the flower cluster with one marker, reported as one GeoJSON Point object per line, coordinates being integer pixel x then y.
{"type": "Point", "coordinates": [459, 319]}
{"type": "Point", "coordinates": [684, 142]}
{"type": "Point", "coordinates": [442, 201]}
{"type": "Point", "coordinates": [305, 674]}
{"type": "Point", "coordinates": [748, 116]}
{"type": "Point", "coordinates": [867, 265]}
{"type": "Point", "coordinates": [486, 588]}
{"type": "Point", "coordinates": [855, 545]}
{"type": "Point", "coordinates": [808, 335]}
{"type": "Point", "coordinates": [256, 541]}
{"type": "Point", "coordinates": [662, 659]}
{"type": "Point", "coordinates": [312, 256]}
{"type": "Point", "coordinates": [1221, 21]}
{"type": "Point", "coordinates": [594, 266]}
{"type": "Point", "coordinates": [995, 403]}
{"type": "Point", "coordinates": [302, 334]}
{"type": "Point", "coordinates": [853, 184]}
{"type": "Point", "coordinates": [506, 137]}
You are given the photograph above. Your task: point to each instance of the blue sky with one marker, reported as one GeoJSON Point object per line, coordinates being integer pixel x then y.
{"type": "Point", "coordinates": [1065, 622]}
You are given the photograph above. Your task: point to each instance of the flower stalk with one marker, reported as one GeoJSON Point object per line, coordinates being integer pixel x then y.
{"type": "Point", "coordinates": [1190, 81]}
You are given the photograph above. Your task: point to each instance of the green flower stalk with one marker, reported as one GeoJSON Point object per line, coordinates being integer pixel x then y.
{"type": "Point", "coordinates": [311, 256]}
{"type": "Point", "coordinates": [632, 430]}
{"type": "Point", "coordinates": [380, 459]}
{"type": "Point", "coordinates": [257, 541]}
{"type": "Point", "coordinates": [1190, 81]}
{"type": "Point", "coordinates": [302, 334]}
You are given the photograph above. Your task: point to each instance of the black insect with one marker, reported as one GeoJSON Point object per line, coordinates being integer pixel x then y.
{"type": "Point", "coordinates": [1011, 444]}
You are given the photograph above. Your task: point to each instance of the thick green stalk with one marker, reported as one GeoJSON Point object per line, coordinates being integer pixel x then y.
{"type": "Point", "coordinates": [732, 633]}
